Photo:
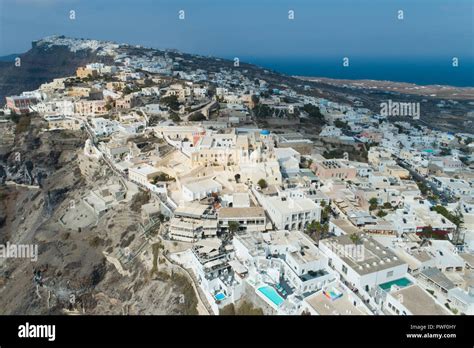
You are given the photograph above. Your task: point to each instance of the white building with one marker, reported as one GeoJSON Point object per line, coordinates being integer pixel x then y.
{"type": "Point", "coordinates": [365, 265]}
{"type": "Point", "coordinates": [142, 174]}
{"type": "Point", "coordinates": [289, 213]}
{"type": "Point", "coordinates": [191, 230]}
{"type": "Point", "coordinates": [412, 300]}
{"type": "Point", "coordinates": [304, 266]}
{"type": "Point", "coordinates": [104, 127]}
{"type": "Point", "coordinates": [462, 300]}
{"type": "Point", "coordinates": [453, 186]}
{"type": "Point", "coordinates": [250, 219]}
{"type": "Point", "coordinates": [335, 299]}
{"type": "Point", "coordinates": [200, 189]}
{"type": "Point", "coordinates": [289, 160]}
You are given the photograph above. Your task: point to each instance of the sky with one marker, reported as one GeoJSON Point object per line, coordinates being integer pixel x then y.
{"type": "Point", "coordinates": [252, 28]}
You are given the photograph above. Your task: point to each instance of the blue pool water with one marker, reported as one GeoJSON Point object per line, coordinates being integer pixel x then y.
{"type": "Point", "coordinates": [219, 296]}
{"type": "Point", "coordinates": [271, 294]}
{"type": "Point", "coordinates": [402, 282]}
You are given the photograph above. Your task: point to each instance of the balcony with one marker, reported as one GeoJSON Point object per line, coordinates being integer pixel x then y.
{"type": "Point", "coordinates": [313, 275]}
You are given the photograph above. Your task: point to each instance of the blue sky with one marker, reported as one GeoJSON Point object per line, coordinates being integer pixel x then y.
{"type": "Point", "coordinates": [252, 28]}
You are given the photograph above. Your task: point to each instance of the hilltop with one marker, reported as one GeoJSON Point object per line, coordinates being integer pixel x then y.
{"type": "Point", "coordinates": [59, 56]}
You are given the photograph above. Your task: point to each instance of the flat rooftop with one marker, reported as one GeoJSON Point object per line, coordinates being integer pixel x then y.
{"type": "Point", "coordinates": [469, 258]}
{"type": "Point", "coordinates": [418, 302]}
{"type": "Point", "coordinates": [290, 205]}
{"type": "Point", "coordinates": [373, 258]}
{"type": "Point", "coordinates": [246, 212]}
{"type": "Point", "coordinates": [144, 169]}
{"type": "Point", "coordinates": [340, 306]}
{"type": "Point", "coordinates": [241, 199]}
{"type": "Point", "coordinates": [253, 242]}
{"type": "Point", "coordinates": [202, 185]}
{"type": "Point", "coordinates": [193, 209]}
{"type": "Point", "coordinates": [303, 249]}
{"type": "Point", "coordinates": [346, 226]}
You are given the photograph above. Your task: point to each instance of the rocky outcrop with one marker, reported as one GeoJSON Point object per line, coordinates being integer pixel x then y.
{"type": "Point", "coordinates": [42, 64]}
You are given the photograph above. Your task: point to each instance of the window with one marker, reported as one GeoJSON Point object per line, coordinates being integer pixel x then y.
{"type": "Point", "coordinates": [389, 274]}
{"type": "Point", "coordinates": [344, 269]}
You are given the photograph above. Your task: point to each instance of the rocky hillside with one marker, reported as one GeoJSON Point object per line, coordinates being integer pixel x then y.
{"type": "Point", "coordinates": [39, 65]}
{"type": "Point", "coordinates": [73, 262]}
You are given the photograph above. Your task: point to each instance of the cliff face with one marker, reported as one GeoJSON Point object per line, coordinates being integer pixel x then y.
{"type": "Point", "coordinates": [72, 243]}
{"type": "Point", "coordinates": [39, 65]}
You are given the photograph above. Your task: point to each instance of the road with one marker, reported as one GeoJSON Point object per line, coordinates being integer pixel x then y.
{"type": "Point", "coordinates": [203, 108]}
{"type": "Point", "coordinates": [445, 198]}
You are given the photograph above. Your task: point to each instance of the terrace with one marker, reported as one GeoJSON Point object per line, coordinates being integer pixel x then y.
{"type": "Point", "coordinates": [313, 275]}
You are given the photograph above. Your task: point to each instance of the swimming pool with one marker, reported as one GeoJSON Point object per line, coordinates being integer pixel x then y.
{"type": "Point", "coordinates": [270, 293]}
{"type": "Point", "coordinates": [219, 296]}
{"type": "Point", "coordinates": [402, 282]}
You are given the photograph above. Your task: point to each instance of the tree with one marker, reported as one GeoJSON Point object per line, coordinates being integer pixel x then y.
{"type": "Point", "coordinates": [233, 226]}
{"type": "Point", "coordinates": [313, 111]}
{"type": "Point", "coordinates": [170, 101]}
{"type": "Point", "coordinates": [317, 230]}
{"type": "Point", "coordinates": [381, 213]}
{"type": "Point", "coordinates": [313, 227]}
{"type": "Point", "coordinates": [325, 213]}
{"type": "Point", "coordinates": [162, 177]}
{"type": "Point", "coordinates": [325, 229]}
{"type": "Point", "coordinates": [355, 238]}
{"type": "Point", "coordinates": [237, 178]}
{"type": "Point", "coordinates": [262, 183]}
{"type": "Point", "coordinates": [422, 187]}
{"type": "Point", "coordinates": [263, 111]}
{"type": "Point", "coordinates": [373, 203]}
{"type": "Point", "coordinates": [456, 219]}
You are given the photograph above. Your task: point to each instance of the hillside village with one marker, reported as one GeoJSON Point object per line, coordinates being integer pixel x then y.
{"type": "Point", "coordinates": [263, 193]}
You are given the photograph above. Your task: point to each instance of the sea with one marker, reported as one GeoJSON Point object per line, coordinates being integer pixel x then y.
{"type": "Point", "coordinates": [420, 71]}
